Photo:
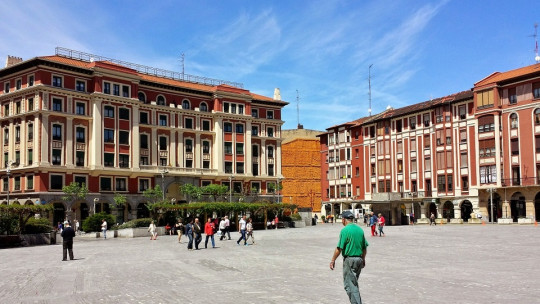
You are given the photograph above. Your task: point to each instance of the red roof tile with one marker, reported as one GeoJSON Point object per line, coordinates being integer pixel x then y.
{"type": "Point", "coordinates": [498, 76]}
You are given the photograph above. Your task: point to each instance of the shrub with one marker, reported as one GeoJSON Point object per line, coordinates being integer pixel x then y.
{"type": "Point", "coordinates": [93, 222]}
{"type": "Point", "coordinates": [37, 226]}
{"type": "Point", "coordinates": [8, 223]}
{"type": "Point", "coordinates": [296, 217]}
{"type": "Point", "coordinates": [142, 222]}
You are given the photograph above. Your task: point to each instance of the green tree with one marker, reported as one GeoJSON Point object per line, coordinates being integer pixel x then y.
{"type": "Point", "coordinates": [215, 191]}
{"type": "Point", "coordinates": [74, 191]}
{"type": "Point", "coordinates": [153, 195]}
{"type": "Point", "coordinates": [21, 214]}
{"type": "Point", "coordinates": [119, 200]}
{"type": "Point", "coordinates": [191, 191]}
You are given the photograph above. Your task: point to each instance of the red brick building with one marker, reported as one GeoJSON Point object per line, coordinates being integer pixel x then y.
{"type": "Point", "coordinates": [443, 156]}
{"type": "Point", "coordinates": [123, 128]}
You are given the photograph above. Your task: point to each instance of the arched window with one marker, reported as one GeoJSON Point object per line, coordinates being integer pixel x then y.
{"type": "Point", "coordinates": [537, 117]}
{"type": "Point", "coordinates": [161, 100]}
{"type": "Point", "coordinates": [142, 97]}
{"type": "Point", "coordinates": [203, 107]}
{"type": "Point", "coordinates": [513, 121]}
{"type": "Point", "coordinates": [185, 104]}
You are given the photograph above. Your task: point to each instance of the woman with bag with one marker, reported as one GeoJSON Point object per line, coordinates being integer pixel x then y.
{"type": "Point", "coordinates": [381, 221]}
{"type": "Point", "coordinates": [179, 229]}
{"type": "Point", "coordinates": [152, 230]}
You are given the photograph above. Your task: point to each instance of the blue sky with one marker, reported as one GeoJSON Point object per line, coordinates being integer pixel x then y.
{"type": "Point", "coordinates": [419, 49]}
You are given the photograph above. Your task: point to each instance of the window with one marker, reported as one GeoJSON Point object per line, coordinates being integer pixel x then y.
{"type": "Point", "coordinates": [463, 136]}
{"type": "Point", "coordinates": [105, 184]}
{"type": "Point", "coordinates": [240, 148]}
{"type": "Point", "coordinates": [465, 183]}
{"type": "Point", "coordinates": [144, 160]}
{"type": "Point", "coordinates": [449, 183]}
{"type": "Point", "coordinates": [30, 157]}
{"type": "Point", "coordinates": [121, 184]}
{"type": "Point", "coordinates": [254, 113]}
{"type": "Point", "coordinates": [228, 167]}
{"type": "Point", "coordinates": [270, 151]}
{"type": "Point", "coordinates": [6, 184]}
{"type": "Point", "coordinates": [513, 121]}
{"type": "Point", "coordinates": [203, 107]}
{"type": "Point", "coordinates": [17, 157]}
{"type": "Point", "coordinates": [255, 130]}
{"type": "Point", "coordinates": [189, 145]}
{"type": "Point", "coordinates": [79, 159]}
{"type": "Point", "coordinates": [255, 169]}
{"type": "Point", "coordinates": [123, 137]}
{"type": "Point", "coordinates": [269, 114]}
{"type": "Point", "coordinates": [80, 86]}
{"type": "Point", "coordinates": [233, 108]}
{"type": "Point", "coordinates": [239, 128]}
{"type": "Point", "coordinates": [427, 141]}
{"type": "Point", "coordinates": [188, 123]}
{"type": "Point", "coordinates": [240, 109]}
{"type": "Point", "coordinates": [271, 170]}
{"type": "Point", "coordinates": [270, 132]}
{"type": "Point", "coordinates": [108, 112]}
{"type": "Point", "coordinates": [125, 91]}
{"type": "Point", "coordinates": [427, 120]}
{"type": "Point", "coordinates": [144, 141]}
{"type": "Point", "coordinates": [514, 146]}
{"type": "Point", "coordinates": [108, 136]}
{"type": "Point", "coordinates": [81, 180]}
{"type": "Point", "coordinates": [228, 147]}
{"type": "Point", "coordinates": [206, 164]}
{"type": "Point", "coordinates": [57, 105]}
{"type": "Point", "coordinates": [464, 160]}
{"type": "Point", "coordinates": [441, 183]}
{"type": "Point", "coordinates": [163, 120]}
{"type": "Point", "coordinates": [189, 163]}
{"type": "Point", "coordinates": [57, 132]}
{"type": "Point", "coordinates": [141, 97]}
{"type": "Point", "coordinates": [80, 108]}
{"type": "Point", "coordinates": [512, 97]}
{"type": "Point", "coordinates": [108, 159]}
{"type": "Point", "coordinates": [6, 109]}
{"type": "Point", "coordinates": [18, 84]}
{"type": "Point", "coordinates": [427, 164]}
{"type": "Point", "coordinates": [255, 151]}
{"type": "Point", "coordinates": [18, 107]}
{"type": "Point", "coordinates": [79, 135]}
{"type": "Point", "coordinates": [57, 182]}
{"type": "Point", "coordinates": [17, 134]}
{"type": "Point", "coordinates": [206, 147]}
{"type": "Point", "coordinates": [29, 182]}
{"type": "Point", "coordinates": [486, 124]}
{"type": "Point", "coordinates": [106, 88]}
{"type": "Point", "coordinates": [163, 143]}
{"type": "Point", "coordinates": [57, 81]}
{"type": "Point", "coordinates": [30, 81]}
{"type": "Point", "coordinates": [144, 184]}
{"type": "Point", "coordinates": [536, 90]}
{"type": "Point", "coordinates": [516, 176]}
{"type": "Point", "coordinates": [185, 105]}
{"type": "Point", "coordinates": [537, 117]}
{"type": "Point", "coordinates": [227, 127]}
{"type": "Point", "coordinates": [226, 107]}
{"type": "Point", "coordinates": [462, 110]}
{"type": "Point", "coordinates": [488, 174]}
{"type": "Point", "coordinates": [448, 132]}
{"type": "Point", "coordinates": [123, 113]}
{"type": "Point", "coordinates": [400, 166]}
{"type": "Point", "coordinates": [116, 90]}
{"type": "Point", "coordinates": [6, 87]}
{"type": "Point", "coordinates": [161, 100]}
{"type": "Point", "coordinates": [6, 136]}
{"type": "Point", "coordinates": [398, 125]}
{"type": "Point", "coordinates": [485, 98]}
{"type": "Point", "coordinates": [30, 104]}
{"type": "Point", "coordinates": [413, 165]}
{"type": "Point", "coordinates": [206, 125]}
{"type": "Point", "coordinates": [240, 168]}
{"type": "Point", "coordinates": [56, 156]}
{"type": "Point", "coordinates": [143, 118]}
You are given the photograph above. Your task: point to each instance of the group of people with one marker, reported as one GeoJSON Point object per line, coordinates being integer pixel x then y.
{"type": "Point", "coordinates": [375, 221]}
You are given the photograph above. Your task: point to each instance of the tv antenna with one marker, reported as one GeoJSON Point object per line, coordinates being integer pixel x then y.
{"type": "Point", "coordinates": [182, 56]}
{"type": "Point", "coordinates": [536, 57]}
{"type": "Point", "coordinates": [299, 126]}
{"type": "Point", "coordinates": [369, 82]}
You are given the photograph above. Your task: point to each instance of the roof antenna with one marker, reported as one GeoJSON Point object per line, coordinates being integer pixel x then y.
{"type": "Point", "coordinates": [536, 57]}
{"type": "Point", "coordinates": [298, 110]}
{"type": "Point", "coordinates": [369, 82]}
{"type": "Point", "coordinates": [182, 60]}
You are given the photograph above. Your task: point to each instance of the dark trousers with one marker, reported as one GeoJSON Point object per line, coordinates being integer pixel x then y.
{"type": "Point", "coordinates": [198, 239]}
{"type": "Point", "coordinates": [206, 241]}
{"type": "Point", "coordinates": [228, 229]}
{"type": "Point", "coordinates": [242, 236]}
{"type": "Point", "coordinates": [190, 242]}
{"type": "Point", "coordinates": [222, 234]}
{"type": "Point", "coordinates": [67, 246]}
{"type": "Point", "coordinates": [352, 266]}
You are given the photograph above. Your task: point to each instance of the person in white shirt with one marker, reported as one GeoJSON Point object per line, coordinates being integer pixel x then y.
{"type": "Point", "coordinates": [242, 231]}
{"type": "Point", "coordinates": [152, 230]}
{"type": "Point", "coordinates": [222, 229]}
{"type": "Point", "coordinates": [228, 227]}
{"type": "Point", "coordinates": [249, 230]}
{"type": "Point", "coordinates": [104, 228]}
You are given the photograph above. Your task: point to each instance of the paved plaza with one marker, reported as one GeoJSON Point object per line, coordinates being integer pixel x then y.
{"type": "Point", "coordinates": [420, 264]}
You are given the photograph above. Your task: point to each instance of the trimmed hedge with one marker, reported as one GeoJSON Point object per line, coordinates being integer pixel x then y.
{"type": "Point", "coordinates": [93, 222]}
{"type": "Point", "coordinates": [34, 226]}
{"type": "Point", "coordinates": [142, 222]}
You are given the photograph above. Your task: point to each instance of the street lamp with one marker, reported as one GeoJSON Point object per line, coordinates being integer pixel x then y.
{"type": "Point", "coordinates": [491, 190]}
{"type": "Point", "coordinates": [163, 172]}
{"type": "Point", "coordinates": [230, 188]}
{"type": "Point", "coordinates": [95, 201]}
{"type": "Point", "coordinates": [8, 173]}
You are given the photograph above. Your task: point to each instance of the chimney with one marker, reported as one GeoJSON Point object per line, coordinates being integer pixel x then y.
{"type": "Point", "coordinates": [12, 60]}
{"type": "Point", "coordinates": [277, 94]}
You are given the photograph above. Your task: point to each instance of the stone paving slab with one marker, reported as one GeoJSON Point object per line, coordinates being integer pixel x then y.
{"type": "Point", "coordinates": [420, 264]}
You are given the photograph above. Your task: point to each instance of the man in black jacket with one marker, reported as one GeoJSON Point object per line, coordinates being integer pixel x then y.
{"type": "Point", "coordinates": [67, 235]}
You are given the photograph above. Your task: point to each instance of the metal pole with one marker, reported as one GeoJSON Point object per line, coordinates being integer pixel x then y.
{"type": "Point", "coordinates": [491, 199]}
{"type": "Point", "coordinates": [230, 189]}
{"type": "Point", "coordinates": [163, 184]}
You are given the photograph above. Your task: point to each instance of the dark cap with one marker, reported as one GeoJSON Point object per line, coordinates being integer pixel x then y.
{"type": "Point", "coordinates": [347, 215]}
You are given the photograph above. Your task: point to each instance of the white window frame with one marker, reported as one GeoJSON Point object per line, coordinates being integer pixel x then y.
{"type": "Point", "coordinates": [63, 180]}
{"type": "Point", "coordinates": [139, 184]}
{"type": "Point", "coordinates": [77, 80]}
{"type": "Point", "coordinates": [116, 179]}
{"type": "Point", "coordinates": [112, 185]}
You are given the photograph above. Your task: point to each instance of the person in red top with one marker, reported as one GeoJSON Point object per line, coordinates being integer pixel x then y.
{"type": "Point", "coordinates": [209, 229]}
{"type": "Point", "coordinates": [381, 223]}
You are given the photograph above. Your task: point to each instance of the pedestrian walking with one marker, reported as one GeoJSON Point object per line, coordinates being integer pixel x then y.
{"type": "Point", "coordinates": [249, 231]}
{"type": "Point", "coordinates": [152, 230]}
{"type": "Point", "coordinates": [189, 233]}
{"type": "Point", "coordinates": [209, 229]}
{"type": "Point", "coordinates": [381, 223]}
{"type": "Point", "coordinates": [412, 218]}
{"type": "Point", "coordinates": [67, 241]}
{"type": "Point", "coordinates": [373, 224]}
{"type": "Point", "coordinates": [104, 228]}
{"type": "Point", "coordinates": [276, 221]}
{"type": "Point", "coordinates": [222, 229]}
{"type": "Point", "coordinates": [432, 219]}
{"type": "Point", "coordinates": [197, 233]}
{"type": "Point", "coordinates": [77, 228]}
{"type": "Point", "coordinates": [179, 229]}
{"type": "Point", "coordinates": [242, 230]}
{"type": "Point", "coordinates": [352, 245]}
{"type": "Point", "coordinates": [228, 227]}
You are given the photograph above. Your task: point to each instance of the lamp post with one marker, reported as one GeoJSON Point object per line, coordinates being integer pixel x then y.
{"type": "Point", "coordinates": [95, 201]}
{"type": "Point", "coordinates": [163, 172]}
{"type": "Point", "coordinates": [8, 173]}
{"type": "Point", "coordinates": [230, 188]}
{"type": "Point", "coordinates": [491, 190]}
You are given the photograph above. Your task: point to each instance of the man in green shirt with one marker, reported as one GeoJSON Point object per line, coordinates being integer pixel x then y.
{"type": "Point", "coordinates": [352, 245]}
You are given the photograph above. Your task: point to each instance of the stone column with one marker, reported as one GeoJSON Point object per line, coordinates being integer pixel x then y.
{"type": "Point", "coordinates": [96, 142]}
{"type": "Point", "coordinates": [35, 145]}
{"type": "Point", "coordinates": [529, 208]}
{"type": "Point", "coordinates": [180, 150]}
{"type": "Point", "coordinates": [278, 158]}
{"type": "Point", "coordinates": [136, 138]}
{"type": "Point", "coordinates": [422, 211]}
{"type": "Point", "coordinates": [197, 155]}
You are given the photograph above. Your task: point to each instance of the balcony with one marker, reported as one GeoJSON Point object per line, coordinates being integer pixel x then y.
{"type": "Point", "coordinates": [386, 196]}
